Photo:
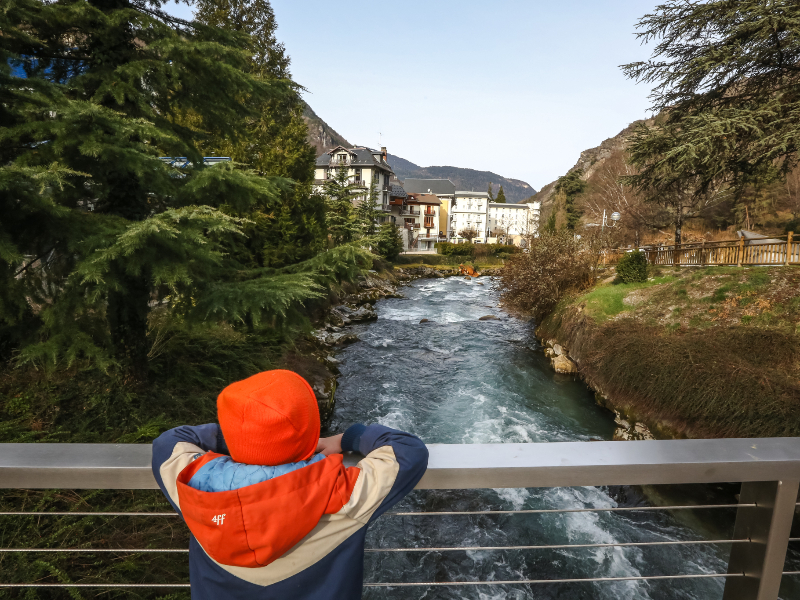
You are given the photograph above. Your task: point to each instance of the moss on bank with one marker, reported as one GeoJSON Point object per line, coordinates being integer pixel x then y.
{"type": "Point", "coordinates": [707, 352]}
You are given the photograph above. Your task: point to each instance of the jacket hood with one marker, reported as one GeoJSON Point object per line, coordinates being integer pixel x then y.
{"type": "Point", "coordinates": [257, 524]}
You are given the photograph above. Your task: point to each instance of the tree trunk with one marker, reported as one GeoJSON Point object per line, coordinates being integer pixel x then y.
{"type": "Point", "coordinates": [127, 318]}
{"type": "Point", "coordinates": [678, 225]}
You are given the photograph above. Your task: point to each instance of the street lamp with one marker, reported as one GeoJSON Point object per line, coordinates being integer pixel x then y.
{"type": "Point", "coordinates": [615, 217]}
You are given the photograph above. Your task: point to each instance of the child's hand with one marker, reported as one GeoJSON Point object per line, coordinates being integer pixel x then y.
{"type": "Point", "coordinates": [330, 445]}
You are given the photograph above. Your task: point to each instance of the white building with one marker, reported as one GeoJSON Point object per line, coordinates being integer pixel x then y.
{"type": "Point", "coordinates": [366, 167]}
{"type": "Point", "coordinates": [469, 210]}
{"type": "Point", "coordinates": [511, 222]}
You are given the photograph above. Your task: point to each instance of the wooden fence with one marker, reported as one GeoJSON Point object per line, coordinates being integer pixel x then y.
{"type": "Point", "coordinates": [773, 251]}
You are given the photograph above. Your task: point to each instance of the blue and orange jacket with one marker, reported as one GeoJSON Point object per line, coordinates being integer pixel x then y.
{"type": "Point", "coordinates": [298, 535]}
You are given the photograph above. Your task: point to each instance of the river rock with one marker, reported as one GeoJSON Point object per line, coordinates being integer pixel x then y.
{"type": "Point", "coordinates": [425, 321]}
{"type": "Point", "coordinates": [564, 365]}
{"type": "Point", "coordinates": [558, 350]}
{"type": "Point", "coordinates": [467, 277]}
{"type": "Point", "coordinates": [489, 318]}
{"type": "Point", "coordinates": [358, 315]}
{"type": "Point", "coordinates": [548, 352]}
{"type": "Point", "coordinates": [342, 339]}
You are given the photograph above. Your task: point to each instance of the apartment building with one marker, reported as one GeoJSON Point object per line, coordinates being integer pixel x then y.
{"type": "Point", "coordinates": [444, 189]}
{"type": "Point", "coordinates": [469, 210]}
{"type": "Point", "coordinates": [366, 167]}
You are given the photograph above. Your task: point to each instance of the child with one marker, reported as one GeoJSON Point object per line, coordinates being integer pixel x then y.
{"type": "Point", "coordinates": [273, 512]}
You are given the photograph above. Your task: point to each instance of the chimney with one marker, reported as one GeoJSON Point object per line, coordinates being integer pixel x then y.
{"type": "Point", "coordinates": [383, 153]}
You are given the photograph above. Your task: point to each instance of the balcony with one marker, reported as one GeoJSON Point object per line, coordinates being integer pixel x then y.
{"type": "Point", "coordinates": [406, 211]}
{"type": "Point", "coordinates": [768, 469]}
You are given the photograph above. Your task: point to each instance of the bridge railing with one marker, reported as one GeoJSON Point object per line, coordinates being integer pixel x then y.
{"type": "Point", "coordinates": [768, 470]}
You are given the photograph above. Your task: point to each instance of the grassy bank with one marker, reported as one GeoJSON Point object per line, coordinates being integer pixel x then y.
{"type": "Point", "coordinates": [697, 352]}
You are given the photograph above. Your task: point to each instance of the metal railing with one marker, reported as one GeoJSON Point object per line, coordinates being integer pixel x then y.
{"type": "Point", "coordinates": [768, 469]}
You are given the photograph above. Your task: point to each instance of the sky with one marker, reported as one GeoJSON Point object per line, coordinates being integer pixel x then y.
{"type": "Point", "coordinates": [518, 87]}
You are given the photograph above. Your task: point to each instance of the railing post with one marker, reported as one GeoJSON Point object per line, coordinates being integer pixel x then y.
{"type": "Point", "coordinates": [767, 526]}
{"type": "Point", "coordinates": [741, 252]}
{"type": "Point", "coordinates": [788, 249]}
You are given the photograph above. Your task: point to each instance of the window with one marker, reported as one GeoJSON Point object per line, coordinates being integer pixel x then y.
{"type": "Point", "coordinates": [428, 222]}
{"type": "Point", "coordinates": [377, 177]}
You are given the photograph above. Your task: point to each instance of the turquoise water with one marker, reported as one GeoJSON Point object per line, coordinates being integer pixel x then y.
{"type": "Point", "coordinates": [461, 380]}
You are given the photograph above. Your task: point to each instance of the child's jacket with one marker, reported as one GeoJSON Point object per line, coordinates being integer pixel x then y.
{"type": "Point", "coordinates": [297, 536]}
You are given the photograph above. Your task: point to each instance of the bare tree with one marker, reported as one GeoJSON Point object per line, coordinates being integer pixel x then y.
{"type": "Point", "coordinates": [469, 234]}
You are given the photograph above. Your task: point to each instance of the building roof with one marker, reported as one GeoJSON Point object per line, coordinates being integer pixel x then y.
{"type": "Point", "coordinates": [504, 205]}
{"type": "Point", "coordinates": [397, 191]}
{"type": "Point", "coordinates": [424, 199]}
{"type": "Point", "coordinates": [360, 157]}
{"type": "Point", "coordinates": [443, 187]}
{"type": "Point", "coordinates": [465, 194]}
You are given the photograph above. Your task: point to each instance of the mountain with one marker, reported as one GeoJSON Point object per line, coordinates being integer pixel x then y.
{"type": "Point", "coordinates": [323, 137]}
{"type": "Point", "coordinates": [465, 179]}
{"type": "Point", "coordinates": [590, 160]}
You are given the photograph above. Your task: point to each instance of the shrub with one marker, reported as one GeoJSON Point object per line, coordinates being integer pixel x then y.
{"type": "Point", "coordinates": [632, 267]}
{"type": "Point", "coordinates": [450, 249]}
{"type": "Point", "coordinates": [556, 265]}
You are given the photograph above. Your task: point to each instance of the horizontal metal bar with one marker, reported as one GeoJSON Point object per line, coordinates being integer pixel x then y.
{"type": "Point", "coordinates": [425, 549]}
{"type": "Point", "coordinates": [399, 584]}
{"type": "Point", "coordinates": [94, 550]}
{"type": "Point", "coordinates": [88, 514]}
{"type": "Point", "coordinates": [407, 514]}
{"type": "Point", "coordinates": [538, 581]}
{"type": "Point", "coordinates": [94, 585]}
{"type": "Point", "coordinates": [537, 511]}
{"type": "Point", "coordinates": [558, 546]}
{"type": "Point", "coordinates": [453, 466]}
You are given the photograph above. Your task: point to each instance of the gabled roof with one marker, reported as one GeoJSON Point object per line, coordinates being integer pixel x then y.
{"type": "Point", "coordinates": [360, 157]}
{"type": "Point", "coordinates": [443, 187]}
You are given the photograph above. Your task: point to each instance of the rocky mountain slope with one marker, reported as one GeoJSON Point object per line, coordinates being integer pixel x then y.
{"type": "Point", "coordinates": [590, 160]}
{"type": "Point", "coordinates": [323, 137]}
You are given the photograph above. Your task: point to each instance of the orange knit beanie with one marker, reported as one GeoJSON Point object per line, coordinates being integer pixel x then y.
{"type": "Point", "coordinates": [269, 419]}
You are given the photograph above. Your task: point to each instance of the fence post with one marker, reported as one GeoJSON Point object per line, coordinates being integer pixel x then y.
{"type": "Point", "coordinates": [741, 252]}
{"type": "Point", "coordinates": [703, 253]}
{"type": "Point", "coordinates": [767, 526]}
{"type": "Point", "coordinates": [788, 249]}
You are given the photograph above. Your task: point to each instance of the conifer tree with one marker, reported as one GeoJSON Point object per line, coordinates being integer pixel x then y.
{"type": "Point", "coordinates": [367, 213]}
{"type": "Point", "coordinates": [501, 196]}
{"type": "Point", "coordinates": [96, 228]}
{"type": "Point", "coordinates": [727, 91]}
{"type": "Point", "coordinates": [490, 192]}
{"type": "Point", "coordinates": [274, 142]}
{"type": "Point", "coordinates": [340, 194]}
{"type": "Point", "coordinates": [570, 186]}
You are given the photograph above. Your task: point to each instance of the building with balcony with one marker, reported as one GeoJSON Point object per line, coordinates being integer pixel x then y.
{"type": "Point", "coordinates": [366, 167]}
{"type": "Point", "coordinates": [469, 210]}
{"type": "Point", "coordinates": [444, 189]}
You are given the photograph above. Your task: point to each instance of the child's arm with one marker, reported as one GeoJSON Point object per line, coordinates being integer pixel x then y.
{"type": "Point", "coordinates": [394, 463]}
{"type": "Point", "coordinates": [173, 450]}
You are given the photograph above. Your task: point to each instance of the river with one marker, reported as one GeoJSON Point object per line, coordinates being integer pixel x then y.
{"type": "Point", "coordinates": [461, 380]}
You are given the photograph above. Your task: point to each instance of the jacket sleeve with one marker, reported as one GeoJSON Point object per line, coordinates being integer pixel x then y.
{"type": "Point", "coordinates": [173, 450]}
{"type": "Point", "coordinates": [394, 463]}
